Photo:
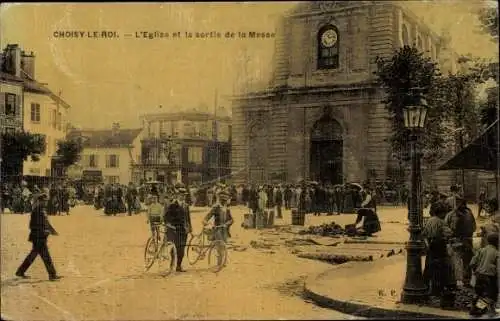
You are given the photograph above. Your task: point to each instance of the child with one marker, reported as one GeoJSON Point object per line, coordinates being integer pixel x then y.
{"type": "Point", "coordinates": [484, 266]}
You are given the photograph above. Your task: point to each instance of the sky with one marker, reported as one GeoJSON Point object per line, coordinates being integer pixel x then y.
{"type": "Point", "coordinates": [116, 80]}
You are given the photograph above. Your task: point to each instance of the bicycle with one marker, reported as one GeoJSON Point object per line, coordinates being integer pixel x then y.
{"type": "Point", "coordinates": [159, 248]}
{"type": "Point", "coordinates": [200, 244]}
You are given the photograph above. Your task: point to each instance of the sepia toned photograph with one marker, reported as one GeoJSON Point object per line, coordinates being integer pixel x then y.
{"type": "Point", "coordinates": [310, 160]}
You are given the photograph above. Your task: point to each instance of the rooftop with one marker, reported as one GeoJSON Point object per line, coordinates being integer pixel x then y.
{"type": "Point", "coordinates": [106, 138]}
{"type": "Point", "coordinates": [190, 115]}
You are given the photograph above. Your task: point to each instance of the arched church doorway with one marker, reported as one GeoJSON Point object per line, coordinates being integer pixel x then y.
{"type": "Point", "coordinates": [326, 151]}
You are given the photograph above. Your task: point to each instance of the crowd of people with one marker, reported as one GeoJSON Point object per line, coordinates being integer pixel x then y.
{"type": "Point", "coordinates": [451, 260]}
{"type": "Point", "coordinates": [19, 198]}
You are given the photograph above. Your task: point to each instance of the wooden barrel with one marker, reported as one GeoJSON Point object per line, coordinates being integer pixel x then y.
{"type": "Point", "coordinates": [259, 220]}
{"type": "Point", "coordinates": [270, 219]}
{"type": "Point", "coordinates": [249, 221]}
{"type": "Point", "coordinates": [298, 218]}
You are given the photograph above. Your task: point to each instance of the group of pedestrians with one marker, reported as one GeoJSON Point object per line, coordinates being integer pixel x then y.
{"type": "Point", "coordinates": [451, 260]}
{"type": "Point", "coordinates": [19, 198]}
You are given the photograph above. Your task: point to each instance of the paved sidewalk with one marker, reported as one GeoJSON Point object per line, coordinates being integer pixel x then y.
{"type": "Point", "coordinates": [370, 289]}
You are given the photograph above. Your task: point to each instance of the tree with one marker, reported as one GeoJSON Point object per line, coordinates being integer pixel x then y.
{"type": "Point", "coordinates": [17, 147]}
{"type": "Point", "coordinates": [458, 99]}
{"type": "Point", "coordinates": [488, 111]}
{"type": "Point", "coordinates": [488, 16]}
{"type": "Point", "coordinates": [69, 152]}
{"type": "Point", "coordinates": [406, 70]}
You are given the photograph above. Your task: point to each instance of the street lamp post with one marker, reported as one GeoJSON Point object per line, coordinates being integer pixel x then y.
{"type": "Point", "coordinates": [415, 289]}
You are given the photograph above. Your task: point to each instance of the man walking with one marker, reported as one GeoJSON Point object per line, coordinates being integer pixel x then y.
{"type": "Point", "coordinates": [178, 221]}
{"type": "Point", "coordinates": [40, 229]}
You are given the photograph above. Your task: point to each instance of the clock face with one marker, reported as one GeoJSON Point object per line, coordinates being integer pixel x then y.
{"type": "Point", "coordinates": [329, 38]}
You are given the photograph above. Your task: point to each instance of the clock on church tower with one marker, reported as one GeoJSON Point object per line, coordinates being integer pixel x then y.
{"type": "Point", "coordinates": [328, 48]}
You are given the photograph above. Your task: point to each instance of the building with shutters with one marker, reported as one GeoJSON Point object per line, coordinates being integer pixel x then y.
{"type": "Point", "coordinates": [199, 142]}
{"type": "Point", "coordinates": [321, 117]}
{"type": "Point", "coordinates": [29, 105]}
{"type": "Point", "coordinates": [109, 153]}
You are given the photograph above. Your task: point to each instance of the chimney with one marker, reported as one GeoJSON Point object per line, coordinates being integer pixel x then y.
{"type": "Point", "coordinates": [115, 128]}
{"type": "Point", "coordinates": [13, 60]}
{"type": "Point", "coordinates": [28, 65]}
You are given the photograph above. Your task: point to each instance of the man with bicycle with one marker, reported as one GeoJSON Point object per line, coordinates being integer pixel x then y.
{"type": "Point", "coordinates": [178, 222]}
{"type": "Point", "coordinates": [221, 215]}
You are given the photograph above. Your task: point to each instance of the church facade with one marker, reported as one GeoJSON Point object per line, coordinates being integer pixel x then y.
{"type": "Point", "coordinates": [322, 117]}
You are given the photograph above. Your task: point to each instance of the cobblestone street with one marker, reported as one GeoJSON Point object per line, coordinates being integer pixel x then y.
{"type": "Point", "coordinates": [101, 259]}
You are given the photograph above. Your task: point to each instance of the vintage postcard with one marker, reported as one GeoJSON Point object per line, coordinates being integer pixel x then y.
{"type": "Point", "coordinates": [249, 160]}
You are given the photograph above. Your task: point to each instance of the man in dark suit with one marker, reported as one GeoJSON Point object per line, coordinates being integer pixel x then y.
{"type": "Point", "coordinates": [40, 229]}
{"type": "Point", "coordinates": [178, 221]}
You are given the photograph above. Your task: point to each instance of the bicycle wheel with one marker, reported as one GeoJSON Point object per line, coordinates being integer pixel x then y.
{"type": "Point", "coordinates": [194, 249]}
{"type": "Point", "coordinates": [217, 255]}
{"type": "Point", "coordinates": [150, 252]}
{"type": "Point", "coordinates": [167, 258]}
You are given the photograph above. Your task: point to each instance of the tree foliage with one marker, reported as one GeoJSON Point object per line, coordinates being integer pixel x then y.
{"type": "Point", "coordinates": [488, 16]}
{"type": "Point", "coordinates": [458, 99]}
{"type": "Point", "coordinates": [488, 111]}
{"type": "Point", "coordinates": [69, 151]}
{"type": "Point", "coordinates": [18, 147]}
{"type": "Point", "coordinates": [399, 75]}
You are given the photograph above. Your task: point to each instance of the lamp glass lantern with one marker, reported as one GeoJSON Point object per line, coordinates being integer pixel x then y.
{"type": "Point", "coordinates": [415, 116]}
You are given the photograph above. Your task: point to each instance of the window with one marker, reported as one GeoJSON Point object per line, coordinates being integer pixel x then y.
{"type": "Point", "coordinates": [175, 129]}
{"type": "Point", "coordinates": [203, 129]}
{"type": "Point", "coordinates": [35, 113]}
{"type": "Point", "coordinates": [189, 129]}
{"type": "Point", "coordinates": [406, 36]}
{"type": "Point", "coordinates": [93, 161]}
{"type": "Point", "coordinates": [223, 134]}
{"type": "Point", "coordinates": [165, 129]}
{"type": "Point", "coordinates": [53, 119]}
{"type": "Point", "coordinates": [59, 120]}
{"type": "Point", "coordinates": [113, 179]}
{"type": "Point", "coordinates": [112, 161]}
{"type": "Point", "coordinates": [195, 155]}
{"type": "Point", "coordinates": [328, 48]}
{"type": "Point", "coordinates": [10, 104]}
{"type": "Point", "coordinates": [420, 44]}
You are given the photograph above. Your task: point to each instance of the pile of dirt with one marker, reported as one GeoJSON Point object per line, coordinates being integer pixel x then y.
{"type": "Point", "coordinates": [327, 229]}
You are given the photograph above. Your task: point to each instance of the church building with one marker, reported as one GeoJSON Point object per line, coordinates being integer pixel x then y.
{"type": "Point", "coordinates": [321, 117]}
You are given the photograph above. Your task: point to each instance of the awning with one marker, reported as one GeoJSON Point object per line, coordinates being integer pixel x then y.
{"type": "Point", "coordinates": [481, 154]}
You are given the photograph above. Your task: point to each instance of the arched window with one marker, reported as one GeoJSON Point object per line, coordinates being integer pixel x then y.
{"type": "Point", "coordinates": [406, 36]}
{"type": "Point", "coordinates": [328, 48]}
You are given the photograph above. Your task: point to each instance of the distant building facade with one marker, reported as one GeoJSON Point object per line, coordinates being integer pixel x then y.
{"type": "Point", "coordinates": [200, 143]}
{"type": "Point", "coordinates": [11, 90]}
{"type": "Point", "coordinates": [322, 116]}
{"type": "Point", "coordinates": [44, 113]}
{"type": "Point", "coordinates": [109, 153]}
{"type": "Point", "coordinates": [29, 105]}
